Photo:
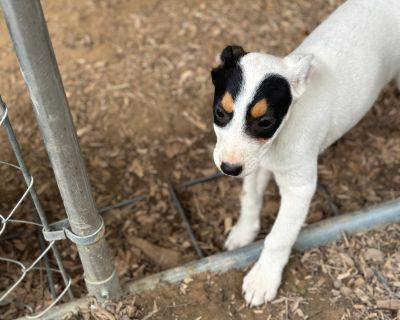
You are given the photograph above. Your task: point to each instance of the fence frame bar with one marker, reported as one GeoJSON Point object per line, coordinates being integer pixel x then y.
{"type": "Point", "coordinates": [29, 34]}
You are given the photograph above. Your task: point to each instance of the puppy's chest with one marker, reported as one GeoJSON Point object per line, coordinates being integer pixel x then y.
{"type": "Point", "coordinates": [279, 159]}
{"type": "Point", "coordinates": [290, 152]}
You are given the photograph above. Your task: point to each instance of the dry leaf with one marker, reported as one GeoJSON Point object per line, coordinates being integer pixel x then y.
{"type": "Point", "coordinates": [175, 148]}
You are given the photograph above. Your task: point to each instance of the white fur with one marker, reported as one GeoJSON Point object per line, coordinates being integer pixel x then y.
{"type": "Point", "coordinates": [335, 75]}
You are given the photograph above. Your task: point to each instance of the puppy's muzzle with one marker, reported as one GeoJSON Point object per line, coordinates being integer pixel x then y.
{"type": "Point", "coordinates": [231, 169]}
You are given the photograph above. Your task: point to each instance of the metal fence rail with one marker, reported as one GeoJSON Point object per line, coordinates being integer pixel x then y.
{"type": "Point", "coordinates": [40, 223]}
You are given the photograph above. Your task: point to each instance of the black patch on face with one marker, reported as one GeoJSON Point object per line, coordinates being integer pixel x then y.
{"type": "Point", "coordinates": [276, 90]}
{"type": "Point", "coordinates": [227, 77]}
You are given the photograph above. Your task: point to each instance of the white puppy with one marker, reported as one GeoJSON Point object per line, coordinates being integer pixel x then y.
{"type": "Point", "coordinates": [273, 116]}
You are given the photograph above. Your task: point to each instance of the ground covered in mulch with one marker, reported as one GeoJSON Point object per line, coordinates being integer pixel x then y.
{"type": "Point", "coordinates": [137, 77]}
{"type": "Point", "coordinates": [355, 278]}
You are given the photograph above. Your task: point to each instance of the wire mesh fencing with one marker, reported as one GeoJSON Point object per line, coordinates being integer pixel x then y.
{"type": "Point", "coordinates": [14, 272]}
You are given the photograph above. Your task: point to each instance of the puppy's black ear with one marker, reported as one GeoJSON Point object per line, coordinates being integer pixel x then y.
{"type": "Point", "coordinates": [215, 73]}
{"type": "Point", "coordinates": [229, 56]}
{"type": "Point", "coordinates": [232, 54]}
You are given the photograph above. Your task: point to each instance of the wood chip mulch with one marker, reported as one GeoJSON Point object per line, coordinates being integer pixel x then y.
{"type": "Point", "coordinates": [355, 278]}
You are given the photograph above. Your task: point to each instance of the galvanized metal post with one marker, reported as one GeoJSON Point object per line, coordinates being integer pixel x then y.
{"type": "Point", "coordinates": [28, 29]}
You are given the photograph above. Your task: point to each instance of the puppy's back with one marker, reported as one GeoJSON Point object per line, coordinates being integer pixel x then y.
{"type": "Point", "coordinates": [358, 28]}
{"type": "Point", "coordinates": [357, 52]}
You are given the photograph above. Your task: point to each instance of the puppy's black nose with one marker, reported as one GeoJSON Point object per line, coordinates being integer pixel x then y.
{"type": "Point", "coordinates": [231, 169]}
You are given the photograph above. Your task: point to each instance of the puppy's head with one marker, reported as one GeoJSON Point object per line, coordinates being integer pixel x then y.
{"type": "Point", "coordinates": [253, 96]}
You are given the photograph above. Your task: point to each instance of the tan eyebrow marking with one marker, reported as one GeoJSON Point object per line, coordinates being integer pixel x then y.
{"type": "Point", "coordinates": [227, 102]}
{"type": "Point", "coordinates": [259, 109]}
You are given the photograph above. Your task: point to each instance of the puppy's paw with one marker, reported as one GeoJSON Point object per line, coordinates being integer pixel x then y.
{"type": "Point", "coordinates": [241, 235]}
{"type": "Point", "coordinates": [261, 284]}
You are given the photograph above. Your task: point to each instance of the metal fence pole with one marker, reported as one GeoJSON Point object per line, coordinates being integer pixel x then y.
{"type": "Point", "coordinates": [28, 29]}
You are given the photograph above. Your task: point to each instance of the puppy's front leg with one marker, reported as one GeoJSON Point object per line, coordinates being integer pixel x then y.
{"type": "Point", "coordinates": [262, 282]}
{"type": "Point", "coordinates": [248, 225]}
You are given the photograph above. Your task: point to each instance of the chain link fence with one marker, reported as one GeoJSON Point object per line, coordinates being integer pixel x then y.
{"type": "Point", "coordinates": [22, 268]}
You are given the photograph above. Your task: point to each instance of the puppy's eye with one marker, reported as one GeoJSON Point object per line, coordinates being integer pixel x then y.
{"type": "Point", "coordinates": [266, 123]}
{"type": "Point", "coordinates": [221, 117]}
{"type": "Point", "coordinates": [219, 112]}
